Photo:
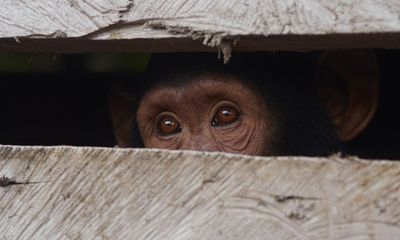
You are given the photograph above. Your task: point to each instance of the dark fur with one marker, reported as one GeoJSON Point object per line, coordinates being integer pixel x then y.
{"type": "Point", "coordinates": [285, 80]}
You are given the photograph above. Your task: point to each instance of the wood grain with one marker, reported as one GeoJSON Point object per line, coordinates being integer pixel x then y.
{"type": "Point", "coordinates": [222, 23]}
{"type": "Point", "coordinates": [103, 193]}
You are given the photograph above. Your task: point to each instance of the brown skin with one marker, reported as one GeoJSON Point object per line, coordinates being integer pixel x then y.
{"type": "Point", "coordinates": [220, 113]}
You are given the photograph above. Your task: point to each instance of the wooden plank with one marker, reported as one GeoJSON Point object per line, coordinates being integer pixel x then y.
{"type": "Point", "coordinates": [223, 23]}
{"type": "Point", "coordinates": [103, 193]}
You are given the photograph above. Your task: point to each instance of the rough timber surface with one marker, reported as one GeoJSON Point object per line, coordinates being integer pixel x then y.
{"type": "Point", "coordinates": [100, 193]}
{"type": "Point", "coordinates": [171, 25]}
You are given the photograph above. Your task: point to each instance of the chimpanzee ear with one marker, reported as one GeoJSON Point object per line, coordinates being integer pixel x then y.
{"type": "Point", "coordinates": [348, 84]}
{"type": "Point", "coordinates": [122, 105]}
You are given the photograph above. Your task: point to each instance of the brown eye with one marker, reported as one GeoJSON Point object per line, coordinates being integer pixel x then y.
{"type": "Point", "coordinates": [225, 116]}
{"type": "Point", "coordinates": [168, 126]}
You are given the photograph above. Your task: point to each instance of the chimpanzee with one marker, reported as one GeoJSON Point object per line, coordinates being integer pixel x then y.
{"type": "Point", "coordinates": [257, 104]}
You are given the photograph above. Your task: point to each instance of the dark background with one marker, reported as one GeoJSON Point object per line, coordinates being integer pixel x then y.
{"type": "Point", "coordinates": [47, 109]}
{"type": "Point", "coordinates": [65, 104]}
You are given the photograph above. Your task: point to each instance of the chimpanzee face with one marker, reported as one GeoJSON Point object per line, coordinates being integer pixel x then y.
{"type": "Point", "coordinates": [212, 112]}
{"type": "Point", "coordinates": [250, 106]}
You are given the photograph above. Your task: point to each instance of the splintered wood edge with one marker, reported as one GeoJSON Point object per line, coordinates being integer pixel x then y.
{"type": "Point", "coordinates": [299, 43]}
{"type": "Point", "coordinates": [83, 192]}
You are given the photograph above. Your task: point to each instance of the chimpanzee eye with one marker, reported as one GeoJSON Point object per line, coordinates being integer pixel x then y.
{"type": "Point", "coordinates": [225, 116]}
{"type": "Point", "coordinates": [168, 126]}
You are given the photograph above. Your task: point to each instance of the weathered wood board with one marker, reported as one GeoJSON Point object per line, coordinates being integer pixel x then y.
{"type": "Point", "coordinates": [101, 193]}
{"type": "Point", "coordinates": [168, 25]}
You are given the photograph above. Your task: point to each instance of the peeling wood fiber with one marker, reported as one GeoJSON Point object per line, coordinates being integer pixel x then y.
{"type": "Point", "coordinates": [104, 193]}
{"type": "Point", "coordinates": [208, 21]}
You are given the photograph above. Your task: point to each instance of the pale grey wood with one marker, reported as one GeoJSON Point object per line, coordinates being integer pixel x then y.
{"type": "Point", "coordinates": [214, 23]}
{"type": "Point", "coordinates": [102, 193]}
{"type": "Point", "coordinates": [204, 18]}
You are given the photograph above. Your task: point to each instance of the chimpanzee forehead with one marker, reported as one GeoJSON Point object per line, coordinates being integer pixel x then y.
{"type": "Point", "coordinates": [202, 87]}
{"type": "Point", "coordinates": [201, 81]}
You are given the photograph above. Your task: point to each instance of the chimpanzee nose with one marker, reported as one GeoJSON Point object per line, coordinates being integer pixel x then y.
{"type": "Point", "coordinates": [202, 143]}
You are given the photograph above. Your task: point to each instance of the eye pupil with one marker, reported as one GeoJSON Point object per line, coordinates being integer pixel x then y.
{"type": "Point", "coordinates": [225, 116]}
{"type": "Point", "coordinates": [168, 125]}
{"type": "Point", "coordinates": [226, 112]}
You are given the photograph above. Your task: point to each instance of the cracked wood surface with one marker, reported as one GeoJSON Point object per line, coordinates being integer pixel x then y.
{"type": "Point", "coordinates": [104, 193]}
{"type": "Point", "coordinates": [169, 24]}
